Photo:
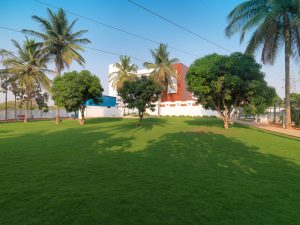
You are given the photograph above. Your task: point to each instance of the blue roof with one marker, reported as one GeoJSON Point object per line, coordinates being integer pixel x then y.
{"type": "Point", "coordinates": [107, 101]}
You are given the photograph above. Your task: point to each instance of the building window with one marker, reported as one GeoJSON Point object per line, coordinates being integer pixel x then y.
{"type": "Point", "coordinates": [172, 86]}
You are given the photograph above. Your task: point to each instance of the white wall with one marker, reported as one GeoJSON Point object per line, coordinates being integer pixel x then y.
{"type": "Point", "coordinates": [36, 114]}
{"type": "Point", "coordinates": [101, 111]}
{"type": "Point", "coordinates": [178, 110]}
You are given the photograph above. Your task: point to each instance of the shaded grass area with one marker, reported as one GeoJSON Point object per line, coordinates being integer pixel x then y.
{"type": "Point", "coordinates": [169, 171]}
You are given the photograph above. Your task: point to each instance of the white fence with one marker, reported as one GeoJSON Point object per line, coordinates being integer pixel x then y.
{"type": "Point", "coordinates": [34, 114]}
{"type": "Point", "coordinates": [101, 111]}
{"type": "Point", "coordinates": [182, 108]}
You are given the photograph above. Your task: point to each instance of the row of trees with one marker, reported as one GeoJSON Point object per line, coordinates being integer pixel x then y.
{"type": "Point", "coordinates": [26, 70]}
{"type": "Point", "coordinates": [275, 24]}
{"type": "Point", "coordinates": [221, 83]}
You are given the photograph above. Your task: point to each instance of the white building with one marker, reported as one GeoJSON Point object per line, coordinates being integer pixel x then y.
{"type": "Point", "coordinates": [176, 101]}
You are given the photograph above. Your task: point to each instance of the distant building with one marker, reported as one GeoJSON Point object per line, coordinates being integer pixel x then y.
{"type": "Point", "coordinates": [176, 100]}
{"type": "Point", "coordinates": [106, 108]}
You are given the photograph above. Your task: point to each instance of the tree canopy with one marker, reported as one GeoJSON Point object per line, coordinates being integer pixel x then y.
{"type": "Point", "coordinates": [73, 89]}
{"type": "Point", "coordinates": [140, 94]}
{"type": "Point", "coordinates": [224, 83]}
{"type": "Point", "coordinates": [295, 104]}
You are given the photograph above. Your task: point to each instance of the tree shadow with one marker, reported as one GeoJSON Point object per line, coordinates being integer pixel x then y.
{"type": "Point", "coordinates": [131, 125]}
{"type": "Point", "coordinates": [103, 120]}
{"type": "Point", "coordinates": [85, 175]}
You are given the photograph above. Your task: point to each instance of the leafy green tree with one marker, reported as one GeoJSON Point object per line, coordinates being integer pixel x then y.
{"type": "Point", "coordinates": [41, 98]}
{"type": "Point", "coordinates": [295, 104]}
{"type": "Point", "coordinates": [73, 89]}
{"type": "Point", "coordinates": [29, 66]}
{"type": "Point", "coordinates": [59, 41]}
{"type": "Point", "coordinates": [140, 94]}
{"type": "Point", "coordinates": [274, 24]}
{"type": "Point", "coordinates": [162, 69]}
{"type": "Point", "coordinates": [225, 83]}
{"type": "Point", "coordinates": [261, 97]}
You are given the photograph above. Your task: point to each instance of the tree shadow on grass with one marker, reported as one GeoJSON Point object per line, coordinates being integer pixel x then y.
{"type": "Point", "coordinates": [83, 176]}
{"type": "Point", "coordinates": [131, 125]}
{"type": "Point", "coordinates": [103, 120]}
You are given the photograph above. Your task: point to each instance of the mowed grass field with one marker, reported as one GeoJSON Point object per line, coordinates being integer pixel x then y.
{"type": "Point", "coordinates": [169, 171]}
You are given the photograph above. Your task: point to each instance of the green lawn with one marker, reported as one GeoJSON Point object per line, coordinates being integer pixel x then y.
{"type": "Point", "coordinates": [170, 171]}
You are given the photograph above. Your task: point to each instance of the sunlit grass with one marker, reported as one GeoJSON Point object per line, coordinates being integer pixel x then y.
{"type": "Point", "coordinates": [169, 171]}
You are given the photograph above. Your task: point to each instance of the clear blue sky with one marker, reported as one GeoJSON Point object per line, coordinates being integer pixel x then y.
{"type": "Point", "coordinates": [205, 17]}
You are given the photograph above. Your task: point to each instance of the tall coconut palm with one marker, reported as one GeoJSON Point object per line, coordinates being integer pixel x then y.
{"type": "Point", "coordinates": [29, 66]}
{"type": "Point", "coordinates": [162, 69]}
{"type": "Point", "coordinates": [273, 25]}
{"type": "Point", "coordinates": [126, 71]}
{"type": "Point", "coordinates": [59, 41]}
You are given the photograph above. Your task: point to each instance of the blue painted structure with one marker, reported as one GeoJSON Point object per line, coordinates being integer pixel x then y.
{"type": "Point", "coordinates": [107, 101]}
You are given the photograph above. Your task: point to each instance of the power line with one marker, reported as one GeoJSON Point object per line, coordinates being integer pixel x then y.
{"type": "Point", "coordinates": [116, 28]}
{"type": "Point", "coordinates": [86, 47]}
{"type": "Point", "coordinates": [178, 25]}
{"type": "Point", "coordinates": [187, 30]}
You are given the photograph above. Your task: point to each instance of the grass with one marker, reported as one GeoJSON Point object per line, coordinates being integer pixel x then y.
{"type": "Point", "coordinates": [170, 171]}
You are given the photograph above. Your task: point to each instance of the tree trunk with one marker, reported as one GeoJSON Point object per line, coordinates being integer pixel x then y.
{"type": "Point", "coordinates": [41, 113]}
{"type": "Point", "coordinates": [15, 107]}
{"type": "Point", "coordinates": [141, 115]}
{"type": "Point", "coordinates": [274, 113]}
{"type": "Point", "coordinates": [6, 101]}
{"type": "Point", "coordinates": [287, 36]}
{"type": "Point", "coordinates": [20, 106]}
{"type": "Point", "coordinates": [82, 120]}
{"type": "Point", "coordinates": [226, 126]}
{"type": "Point", "coordinates": [57, 118]}
{"type": "Point", "coordinates": [58, 73]}
{"type": "Point", "coordinates": [26, 114]}
{"type": "Point", "coordinates": [31, 109]}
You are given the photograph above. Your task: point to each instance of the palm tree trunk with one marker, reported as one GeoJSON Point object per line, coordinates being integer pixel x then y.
{"type": "Point", "coordinates": [31, 109]}
{"type": "Point", "coordinates": [26, 114]}
{"type": "Point", "coordinates": [15, 107]}
{"type": "Point", "coordinates": [288, 120]}
{"type": "Point", "coordinates": [274, 113]}
{"type": "Point", "coordinates": [58, 73]}
{"type": "Point", "coordinates": [6, 102]}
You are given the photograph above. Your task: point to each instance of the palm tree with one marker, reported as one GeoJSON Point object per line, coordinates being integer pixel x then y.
{"type": "Point", "coordinates": [162, 69]}
{"type": "Point", "coordinates": [28, 66]}
{"type": "Point", "coordinates": [59, 41]}
{"type": "Point", "coordinates": [274, 25]}
{"type": "Point", "coordinates": [126, 71]}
